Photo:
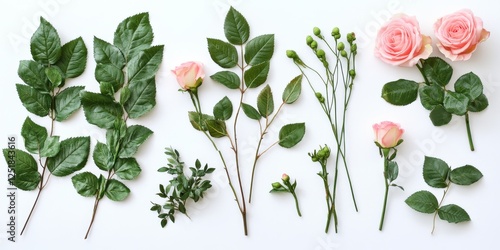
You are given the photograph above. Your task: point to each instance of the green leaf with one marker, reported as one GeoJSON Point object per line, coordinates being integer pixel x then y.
{"type": "Point", "coordinates": [33, 100]}
{"type": "Point", "coordinates": [51, 147]}
{"type": "Point", "coordinates": [71, 157]}
{"type": "Point", "coordinates": [103, 183]}
{"type": "Point", "coordinates": [265, 102]}
{"type": "Point", "coordinates": [431, 96]}
{"type": "Point", "coordinates": [54, 74]}
{"type": "Point", "coordinates": [291, 134]}
{"type": "Point", "coordinates": [142, 98]}
{"type": "Point", "coordinates": [34, 136]}
{"type": "Point", "coordinates": [106, 53]}
{"type": "Point", "coordinates": [100, 110]}
{"type": "Point", "coordinates": [439, 116]}
{"type": "Point", "coordinates": [455, 103]}
{"type": "Point", "coordinates": [392, 171]}
{"type": "Point", "coordinates": [222, 53]}
{"type": "Point", "coordinates": [216, 128]}
{"type": "Point", "coordinates": [453, 214]}
{"type": "Point", "coordinates": [223, 109]}
{"type": "Point", "coordinates": [292, 90]}
{"type": "Point", "coordinates": [465, 175]}
{"type": "Point", "coordinates": [45, 44]}
{"type": "Point", "coordinates": [256, 75]}
{"type": "Point", "coordinates": [116, 191]}
{"type": "Point", "coordinates": [436, 71]}
{"type": "Point", "coordinates": [135, 136]}
{"type": "Point", "coordinates": [124, 95]}
{"type": "Point", "coordinates": [227, 78]}
{"type": "Point", "coordinates": [145, 64]}
{"type": "Point", "coordinates": [73, 58]}
{"type": "Point", "coordinates": [197, 120]}
{"type": "Point", "coordinates": [435, 172]}
{"type": "Point", "coordinates": [127, 168]}
{"type": "Point", "coordinates": [102, 157]}
{"type": "Point", "coordinates": [401, 92]}
{"type": "Point", "coordinates": [236, 27]}
{"type": "Point", "coordinates": [133, 35]}
{"type": "Point", "coordinates": [107, 88]}
{"type": "Point", "coordinates": [109, 73]}
{"type": "Point", "coordinates": [33, 74]}
{"type": "Point", "coordinates": [469, 85]}
{"type": "Point", "coordinates": [423, 201]}
{"type": "Point", "coordinates": [27, 177]}
{"type": "Point", "coordinates": [260, 49]}
{"type": "Point", "coordinates": [67, 102]}
{"type": "Point", "coordinates": [86, 184]}
{"type": "Point", "coordinates": [478, 104]}
{"type": "Point", "coordinates": [251, 112]}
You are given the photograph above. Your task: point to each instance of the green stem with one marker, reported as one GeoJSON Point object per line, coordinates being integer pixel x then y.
{"type": "Point", "coordinates": [94, 212]}
{"type": "Point", "coordinates": [386, 163]}
{"type": "Point", "coordinates": [439, 206]}
{"type": "Point", "coordinates": [296, 203]}
{"type": "Point", "coordinates": [469, 134]}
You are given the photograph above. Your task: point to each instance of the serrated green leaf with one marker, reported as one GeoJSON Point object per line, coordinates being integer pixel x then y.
{"type": "Point", "coordinates": [102, 157]}
{"type": "Point", "coordinates": [265, 102]}
{"type": "Point", "coordinates": [197, 120]}
{"type": "Point", "coordinates": [435, 172]}
{"type": "Point", "coordinates": [236, 27]}
{"type": "Point", "coordinates": [73, 58]}
{"type": "Point", "coordinates": [145, 64]}
{"type": "Point", "coordinates": [291, 134]}
{"type": "Point", "coordinates": [465, 175]}
{"type": "Point", "coordinates": [127, 168]}
{"type": "Point", "coordinates": [292, 90]}
{"type": "Point", "coordinates": [86, 184]}
{"type": "Point", "coordinates": [133, 35]}
{"type": "Point", "coordinates": [106, 53]}
{"type": "Point", "coordinates": [107, 88]}
{"type": "Point", "coordinates": [109, 73]}
{"type": "Point", "coordinates": [135, 136]}
{"type": "Point", "coordinates": [227, 78]}
{"type": "Point", "coordinates": [124, 95]}
{"type": "Point", "coordinates": [260, 49]}
{"type": "Point", "coordinates": [401, 92]}
{"type": "Point", "coordinates": [392, 171]}
{"type": "Point", "coordinates": [436, 71]}
{"type": "Point", "coordinates": [216, 128]}
{"type": "Point", "coordinates": [423, 201]}
{"type": "Point", "coordinates": [223, 109]}
{"type": "Point", "coordinates": [470, 85]}
{"type": "Point", "coordinates": [27, 177]}
{"type": "Point", "coordinates": [222, 53]}
{"type": "Point", "coordinates": [33, 100]}
{"type": "Point", "coordinates": [34, 136]}
{"type": "Point", "coordinates": [455, 103]}
{"type": "Point", "coordinates": [45, 44]}
{"type": "Point", "coordinates": [478, 104]}
{"type": "Point", "coordinates": [453, 214]}
{"type": "Point", "coordinates": [256, 75]}
{"type": "Point", "coordinates": [116, 191]}
{"type": "Point", "coordinates": [67, 102]}
{"type": "Point", "coordinates": [54, 74]}
{"type": "Point", "coordinates": [100, 110]}
{"type": "Point", "coordinates": [142, 98]}
{"type": "Point", "coordinates": [250, 111]}
{"type": "Point", "coordinates": [431, 96]}
{"type": "Point", "coordinates": [33, 74]}
{"type": "Point", "coordinates": [51, 147]}
{"type": "Point", "coordinates": [103, 183]}
{"type": "Point", "coordinates": [439, 116]}
{"type": "Point", "coordinates": [71, 157]}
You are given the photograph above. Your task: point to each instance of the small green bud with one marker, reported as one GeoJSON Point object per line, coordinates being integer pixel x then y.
{"type": "Point", "coordinates": [318, 95]}
{"type": "Point", "coordinates": [309, 40]}
{"type": "Point", "coordinates": [340, 46]}
{"type": "Point", "coordinates": [321, 100]}
{"type": "Point", "coordinates": [335, 31]}
{"type": "Point", "coordinates": [291, 54]}
{"type": "Point", "coordinates": [316, 31]}
{"type": "Point", "coordinates": [354, 47]}
{"type": "Point", "coordinates": [343, 53]}
{"type": "Point", "coordinates": [276, 185]}
{"type": "Point", "coordinates": [320, 53]}
{"type": "Point", "coordinates": [285, 178]}
{"type": "Point", "coordinates": [351, 37]}
{"type": "Point", "coordinates": [337, 36]}
{"type": "Point", "coordinates": [314, 45]}
{"type": "Point", "coordinates": [352, 73]}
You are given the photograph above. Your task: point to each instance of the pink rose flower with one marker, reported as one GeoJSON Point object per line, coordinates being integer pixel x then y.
{"type": "Point", "coordinates": [189, 75]}
{"type": "Point", "coordinates": [387, 134]}
{"type": "Point", "coordinates": [400, 43]}
{"type": "Point", "coordinates": [459, 34]}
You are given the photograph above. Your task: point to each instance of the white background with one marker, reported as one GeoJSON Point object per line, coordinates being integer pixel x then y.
{"type": "Point", "coordinates": [62, 216]}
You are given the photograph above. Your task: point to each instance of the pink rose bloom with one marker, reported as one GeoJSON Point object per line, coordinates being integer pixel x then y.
{"type": "Point", "coordinates": [387, 134]}
{"type": "Point", "coordinates": [189, 75]}
{"type": "Point", "coordinates": [459, 34]}
{"type": "Point", "coordinates": [400, 43]}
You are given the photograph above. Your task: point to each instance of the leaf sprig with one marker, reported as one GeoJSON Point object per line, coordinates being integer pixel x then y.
{"type": "Point", "coordinates": [181, 188]}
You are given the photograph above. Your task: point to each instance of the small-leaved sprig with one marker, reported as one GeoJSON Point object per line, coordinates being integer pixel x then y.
{"type": "Point", "coordinates": [181, 188]}
{"type": "Point", "coordinates": [44, 94]}
{"type": "Point", "coordinates": [287, 187]}
{"type": "Point", "coordinates": [438, 174]}
{"type": "Point", "coordinates": [125, 71]}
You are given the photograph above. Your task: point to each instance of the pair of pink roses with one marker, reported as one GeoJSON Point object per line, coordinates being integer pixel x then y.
{"type": "Point", "coordinates": [400, 42]}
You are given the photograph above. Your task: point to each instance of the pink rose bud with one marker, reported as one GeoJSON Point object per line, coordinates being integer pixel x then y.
{"type": "Point", "coordinates": [189, 75]}
{"type": "Point", "coordinates": [400, 43]}
{"type": "Point", "coordinates": [459, 34]}
{"type": "Point", "coordinates": [387, 134]}
{"type": "Point", "coordinates": [285, 177]}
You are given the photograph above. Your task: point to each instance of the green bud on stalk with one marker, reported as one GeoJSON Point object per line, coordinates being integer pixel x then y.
{"type": "Point", "coordinates": [309, 40]}
{"type": "Point", "coordinates": [314, 45]}
{"type": "Point", "coordinates": [276, 185]}
{"type": "Point", "coordinates": [317, 31]}
{"type": "Point", "coordinates": [340, 46]}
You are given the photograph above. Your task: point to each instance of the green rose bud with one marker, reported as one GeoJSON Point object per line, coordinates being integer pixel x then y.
{"type": "Point", "coordinates": [351, 37]}
{"type": "Point", "coordinates": [320, 53]}
{"type": "Point", "coordinates": [316, 31]}
{"type": "Point", "coordinates": [337, 36]}
{"type": "Point", "coordinates": [335, 31]}
{"type": "Point", "coordinates": [343, 53]}
{"type": "Point", "coordinates": [291, 54]}
{"type": "Point", "coordinates": [285, 178]}
{"type": "Point", "coordinates": [309, 40]}
{"type": "Point", "coordinates": [354, 48]}
{"type": "Point", "coordinates": [314, 45]}
{"type": "Point", "coordinates": [340, 46]}
{"type": "Point", "coordinates": [352, 73]}
{"type": "Point", "coordinates": [276, 185]}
